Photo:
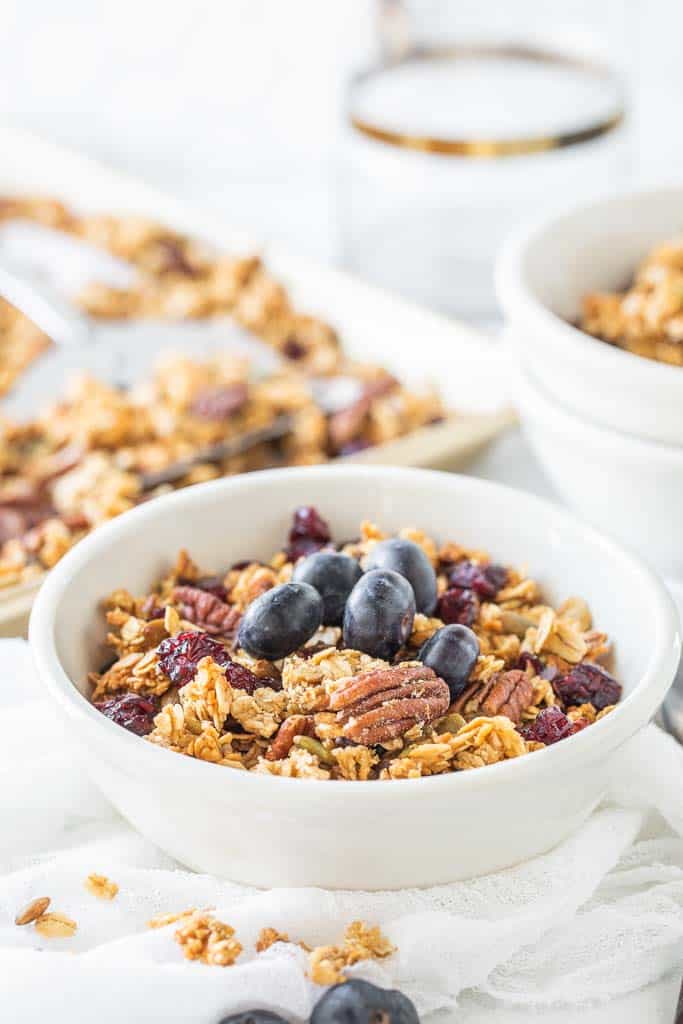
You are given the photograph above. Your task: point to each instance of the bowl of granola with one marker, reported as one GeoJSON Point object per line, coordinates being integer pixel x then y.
{"type": "Point", "coordinates": [594, 301]}
{"type": "Point", "coordinates": [346, 679]}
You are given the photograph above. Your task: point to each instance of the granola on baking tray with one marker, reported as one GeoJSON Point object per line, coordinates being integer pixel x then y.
{"type": "Point", "coordinates": [83, 461]}
{"type": "Point", "coordinates": [386, 657]}
{"type": "Point", "coordinates": [647, 318]}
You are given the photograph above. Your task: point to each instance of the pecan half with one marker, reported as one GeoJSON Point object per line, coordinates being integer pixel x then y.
{"type": "Point", "coordinates": [346, 424]}
{"type": "Point", "coordinates": [506, 693]}
{"type": "Point", "coordinates": [383, 704]}
{"type": "Point", "coordinates": [217, 404]}
{"type": "Point", "coordinates": [295, 725]}
{"type": "Point", "coordinates": [206, 611]}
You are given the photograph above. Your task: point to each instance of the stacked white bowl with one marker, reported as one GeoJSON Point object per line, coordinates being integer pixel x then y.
{"type": "Point", "coordinates": [606, 425]}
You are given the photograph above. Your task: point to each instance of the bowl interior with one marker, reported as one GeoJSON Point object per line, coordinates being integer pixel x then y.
{"type": "Point", "coordinates": [249, 516]}
{"type": "Point", "coordinates": [598, 247]}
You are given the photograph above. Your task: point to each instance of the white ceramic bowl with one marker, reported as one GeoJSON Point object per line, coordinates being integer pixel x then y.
{"type": "Point", "coordinates": [371, 835]}
{"type": "Point", "coordinates": [631, 488]}
{"type": "Point", "coordinates": [542, 275]}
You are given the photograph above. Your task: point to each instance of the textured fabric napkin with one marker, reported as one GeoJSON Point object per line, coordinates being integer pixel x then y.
{"type": "Point", "coordinates": [599, 916]}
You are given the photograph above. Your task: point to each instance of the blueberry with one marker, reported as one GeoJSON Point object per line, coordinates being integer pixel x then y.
{"type": "Point", "coordinates": [254, 1017]}
{"type": "Point", "coordinates": [379, 614]}
{"type": "Point", "coordinates": [408, 559]}
{"type": "Point", "coordinates": [334, 576]}
{"type": "Point", "coordinates": [452, 652]}
{"type": "Point", "coordinates": [280, 620]}
{"type": "Point", "coordinates": [360, 1002]}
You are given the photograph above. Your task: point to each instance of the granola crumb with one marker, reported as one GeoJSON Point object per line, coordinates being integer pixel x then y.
{"type": "Point", "coordinates": [162, 920]}
{"type": "Point", "coordinates": [268, 937]}
{"type": "Point", "coordinates": [56, 925]}
{"type": "Point", "coordinates": [101, 886]}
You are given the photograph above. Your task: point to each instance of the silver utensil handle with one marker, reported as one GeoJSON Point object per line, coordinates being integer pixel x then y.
{"type": "Point", "coordinates": [57, 317]}
{"type": "Point", "coordinates": [279, 427]}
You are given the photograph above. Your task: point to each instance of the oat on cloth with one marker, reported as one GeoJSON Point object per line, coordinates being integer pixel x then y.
{"type": "Point", "coordinates": [599, 916]}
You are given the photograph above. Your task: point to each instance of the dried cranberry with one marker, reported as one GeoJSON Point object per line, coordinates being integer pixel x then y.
{"type": "Point", "coordinates": [172, 258]}
{"type": "Point", "coordinates": [309, 533]}
{"type": "Point", "coordinates": [212, 584]}
{"type": "Point", "coordinates": [458, 605]}
{"type": "Point", "coordinates": [241, 678]}
{"type": "Point", "coordinates": [359, 445]}
{"type": "Point", "coordinates": [485, 580]}
{"type": "Point", "coordinates": [528, 660]}
{"type": "Point", "coordinates": [132, 711]}
{"type": "Point", "coordinates": [179, 655]}
{"type": "Point", "coordinates": [151, 609]}
{"type": "Point", "coordinates": [293, 349]}
{"type": "Point", "coordinates": [551, 726]}
{"type": "Point", "coordinates": [588, 684]}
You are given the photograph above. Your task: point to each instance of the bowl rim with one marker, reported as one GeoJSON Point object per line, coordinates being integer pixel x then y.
{"type": "Point", "coordinates": [520, 301]}
{"type": "Point", "coordinates": [164, 765]}
{"type": "Point", "coordinates": [560, 417]}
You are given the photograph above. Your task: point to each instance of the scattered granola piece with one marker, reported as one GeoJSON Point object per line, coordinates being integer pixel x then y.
{"type": "Point", "coordinates": [361, 942]}
{"type": "Point", "coordinates": [101, 886]}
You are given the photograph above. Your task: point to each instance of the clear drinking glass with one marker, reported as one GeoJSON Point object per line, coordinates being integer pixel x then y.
{"type": "Point", "coordinates": [474, 117]}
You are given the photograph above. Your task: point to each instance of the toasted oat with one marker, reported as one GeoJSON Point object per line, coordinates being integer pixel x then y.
{"type": "Point", "coordinates": [268, 937]}
{"type": "Point", "coordinates": [162, 920]}
{"type": "Point", "coordinates": [101, 886]}
{"type": "Point", "coordinates": [299, 764]}
{"type": "Point", "coordinates": [355, 763]}
{"type": "Point", "coordinates": [35, 909]}
{"type": "Point", "coordinates": [55, 925]}
{"type": "Point", "coordinates": [260, 712]}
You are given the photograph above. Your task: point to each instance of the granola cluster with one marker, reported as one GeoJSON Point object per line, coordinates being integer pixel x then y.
{"type": "Point", "coordinates": [85, 460]}
{"type": "Point", "coordinates": [182, 678]}
{"type": "Point", "coordinates": [646, 319]}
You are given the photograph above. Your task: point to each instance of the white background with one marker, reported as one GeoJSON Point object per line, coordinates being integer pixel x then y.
{"type": "Point", "coordinates": [237, 102]}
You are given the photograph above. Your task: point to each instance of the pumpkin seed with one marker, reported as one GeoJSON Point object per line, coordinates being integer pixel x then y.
{"type": "Point", "coordinates": [314, 746]}
{"type": "Point", "coordinates": [450, 723]}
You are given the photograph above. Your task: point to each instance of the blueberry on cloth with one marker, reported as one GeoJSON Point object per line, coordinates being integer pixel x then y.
{"type": "Point", "coordinates": [360, 1002]}
{"type": "Point", "coordinates": [253, 1017]}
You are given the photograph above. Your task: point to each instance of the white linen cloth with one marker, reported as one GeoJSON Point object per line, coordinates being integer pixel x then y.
{"type": "Point", "coordinates": [599, 916]}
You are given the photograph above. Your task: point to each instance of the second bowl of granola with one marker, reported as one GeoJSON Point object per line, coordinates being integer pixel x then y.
{"type": "Point", "coordinates": [342, 676]}
{"type": "Point", "coordinates": [594, 301]}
